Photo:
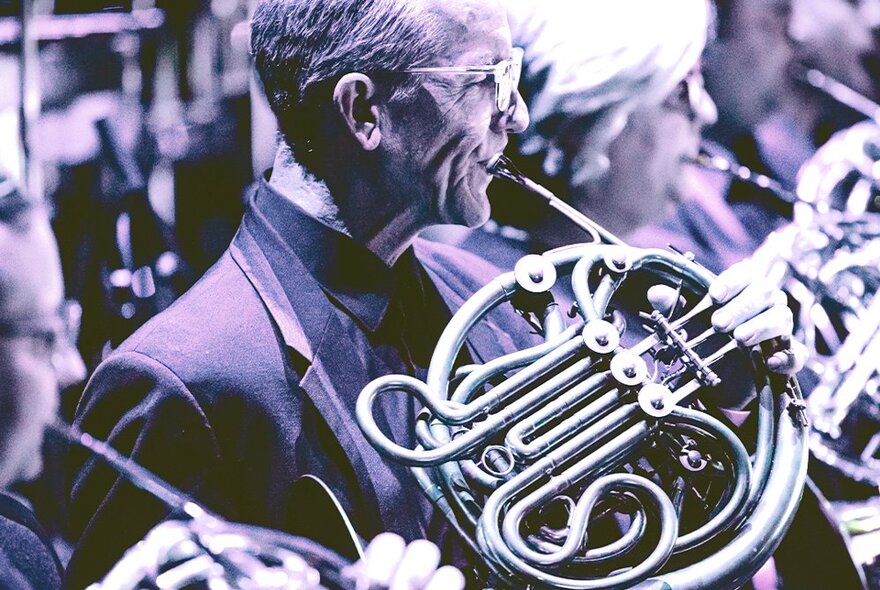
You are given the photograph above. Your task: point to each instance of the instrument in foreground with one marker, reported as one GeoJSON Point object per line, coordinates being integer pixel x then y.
{"type": "Point", "coordinates": [198, 547]}
{"type": "Point", "coordinates": [600, 457]}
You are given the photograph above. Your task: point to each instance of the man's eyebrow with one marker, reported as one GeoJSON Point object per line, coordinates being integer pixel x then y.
{"type": "Point", "coordinates": [485, 59]}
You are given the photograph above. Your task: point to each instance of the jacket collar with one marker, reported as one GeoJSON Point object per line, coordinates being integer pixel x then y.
{"type": "Point", "coordinates": [347, 272]}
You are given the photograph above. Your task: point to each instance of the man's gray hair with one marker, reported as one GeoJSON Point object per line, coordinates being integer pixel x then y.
{"type": "Point", "coordinates": [302, 47]}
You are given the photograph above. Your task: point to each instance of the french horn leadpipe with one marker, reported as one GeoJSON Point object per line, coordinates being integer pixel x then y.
{"type": "Point", "coordinates": [239, 556]}
{"type": "Point", "coordinates": [526, 452]}
{"type": "Point", "coordinates": [502, 167]}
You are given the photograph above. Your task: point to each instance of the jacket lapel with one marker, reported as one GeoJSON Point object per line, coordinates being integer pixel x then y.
{"type": "Point", "coordinates": [309, 325]}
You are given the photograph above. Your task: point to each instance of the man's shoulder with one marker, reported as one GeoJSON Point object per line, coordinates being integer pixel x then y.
{"type": "Point", "coordinates": [218, 333]}
{"type": "Point", "coordinates": [453, 262]}
{"type": "Point", "coordinates": [458, 274]}
{"type": "Point", "coordinates": [26, 557]}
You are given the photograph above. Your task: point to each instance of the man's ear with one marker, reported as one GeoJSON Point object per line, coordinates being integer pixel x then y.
{"type": "Point", "coordinates": [357, 100]}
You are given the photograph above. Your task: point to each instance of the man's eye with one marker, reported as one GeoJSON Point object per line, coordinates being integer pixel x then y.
{"type": "Point", "coordinates": [474, 79]}
{"type": "Point", "coordinates": [44, 342]}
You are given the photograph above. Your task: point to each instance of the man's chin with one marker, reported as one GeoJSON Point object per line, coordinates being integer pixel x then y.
{"type": "Point", "coordinates": [472, 207]}
{"type": "Point", "coordinates": [477, 223]}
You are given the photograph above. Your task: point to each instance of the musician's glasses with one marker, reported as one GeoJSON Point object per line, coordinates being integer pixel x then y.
{"type": "Point", "coordinates": [506, 74]}
{"type": "Point", "coordinates": [691, 99]}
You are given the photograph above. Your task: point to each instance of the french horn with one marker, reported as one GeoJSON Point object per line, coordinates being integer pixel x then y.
{"type": "Point", "coordinates": [844, 173]}
{"type": "Point", "coordinates": [197, 548]}
{"type": "Point", "coordinates": [599, 457]}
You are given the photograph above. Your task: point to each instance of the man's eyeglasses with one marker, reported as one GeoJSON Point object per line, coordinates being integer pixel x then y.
{"type": "Point", "coordinates": [506, 74]}
{"type": "Point", "coordinates": [689, 97]}
{"type": "Point", "coordinates": [51, 332]}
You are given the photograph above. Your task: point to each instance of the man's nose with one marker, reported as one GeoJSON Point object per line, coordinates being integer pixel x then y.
{"type": "Point", "coordinates": [70, 369]}
{"type": "Point", "coordinates": [518, 121]}
{"type": "Point", "coordinates": [706, 111]}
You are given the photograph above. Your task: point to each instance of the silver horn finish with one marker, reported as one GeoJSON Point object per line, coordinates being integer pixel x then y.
{"type": "Point", "coordinates": [531, 453]}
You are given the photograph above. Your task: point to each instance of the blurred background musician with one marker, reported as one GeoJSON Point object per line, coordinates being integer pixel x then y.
{"type": "Point", "coordinates": [617, 106]}
{"type": "Point", "coordinates": [836, 38]}
{"type": "Point", "coordinates": [38, 357]}
{"type": "Point", "coordinates": [769, 119]}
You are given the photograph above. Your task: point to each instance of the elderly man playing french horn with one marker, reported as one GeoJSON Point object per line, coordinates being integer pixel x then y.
{"type": "Point", "coordinates": [390, 113]}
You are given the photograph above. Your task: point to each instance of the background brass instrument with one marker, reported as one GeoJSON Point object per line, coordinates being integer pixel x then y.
{"type": "Point", "coordinates": [830, 265]}
{"type": "Point", "coordinates": [533, 454]}
{"type": "Point", "coordinates": [828, 261]}
{"type": "Point", "coordinates": [844, 173]}
{"type": "Point", "coordinates": [199, 547]}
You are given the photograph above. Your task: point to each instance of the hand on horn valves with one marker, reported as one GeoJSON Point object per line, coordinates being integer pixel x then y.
{"type": "Point", "coordinates": [757, 312]}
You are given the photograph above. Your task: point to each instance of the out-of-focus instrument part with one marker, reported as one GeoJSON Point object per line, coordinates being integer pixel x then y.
{"type": "Point", "coordinates": [541, 457]}
{"type": "Point", "coordinates": [861, 524]}
{"type": "Point", "coordinates": [830, 265]}
{"type": "Point", "coordinates": [732, 169]}
{"type": "Point", "coordinates": [838, 91]}
{"type": "Point", "coordinates": [59, 27]}
{"type": "Point", "coordinates": [144, 274]}
{"type": "Point", "coordinates": [29, 101]}
{"type": "Point", "coordinates": [201, 548]}
{"type": "Point", "coordinates": [844, 173]}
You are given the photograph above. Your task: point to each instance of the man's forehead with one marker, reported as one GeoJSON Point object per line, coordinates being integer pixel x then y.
{"type": "Point", "coordinates": [479, 29]}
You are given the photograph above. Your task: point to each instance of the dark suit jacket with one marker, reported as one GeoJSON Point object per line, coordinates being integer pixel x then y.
{"type": "Point", "coordinates": [249, 381]}
{"type": "Point", "coordinates": [27, 560]}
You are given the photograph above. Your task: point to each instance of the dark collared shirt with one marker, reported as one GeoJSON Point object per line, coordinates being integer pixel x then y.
{"type": "Point", "coordinates": [397, 307]}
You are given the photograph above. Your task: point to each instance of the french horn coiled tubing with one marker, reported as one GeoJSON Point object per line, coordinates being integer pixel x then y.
{"type": "Point", "coordinates": [599, 458]}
